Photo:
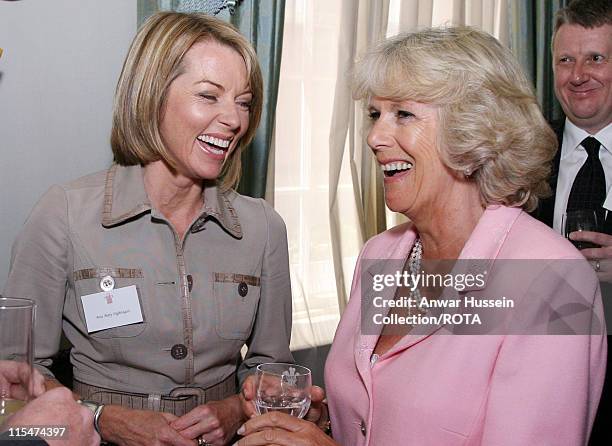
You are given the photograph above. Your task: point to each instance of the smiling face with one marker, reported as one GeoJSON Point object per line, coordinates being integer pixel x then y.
{"type": "Point", "coordinates": [206, 110]}
{"type": "Point", "coordinates": [403, 138]}
{"type": "Point", "coordinates": [583, 74]}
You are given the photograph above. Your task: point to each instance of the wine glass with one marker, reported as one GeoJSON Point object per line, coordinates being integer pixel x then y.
{"type": "Point", "coordinates": [283, 388]}
{"type": "Point", "coordinates": [580, 220]}
{"type": "Point", "coordinates": [16, 344]}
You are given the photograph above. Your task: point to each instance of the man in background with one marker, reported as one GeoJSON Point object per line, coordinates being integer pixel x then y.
{"type": "Point", "coordinates": [582, 169]}
{"type": "Point", "coordinates": [582, 64]}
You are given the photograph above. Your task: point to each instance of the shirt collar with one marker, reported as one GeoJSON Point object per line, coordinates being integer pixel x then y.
{"type": "Point", "coordinates": [218, 205]}
{"type": "Point", "coordinates": [574, 135]}
{"type": "Point", "coordinates": [125, 198]}
{"type": "Point", "coordinates": [485, 243]}
{"type": "Point", "coordinates": [490, 232]}
{"type": "Point", "coordinates": [479, 252]}
{"type": "Point", "coordinates": [124, 195]}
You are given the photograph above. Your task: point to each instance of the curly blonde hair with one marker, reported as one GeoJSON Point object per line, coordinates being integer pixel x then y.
{"type": "Point", "coordinates": [491, 126]}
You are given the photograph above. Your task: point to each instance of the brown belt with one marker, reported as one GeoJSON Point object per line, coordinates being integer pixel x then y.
{"type": "Point", "coordinates": [180, 400]}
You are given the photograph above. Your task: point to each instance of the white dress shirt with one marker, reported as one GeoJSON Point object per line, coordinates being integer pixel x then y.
{"type": "Point", "coordinates": [573, 156]}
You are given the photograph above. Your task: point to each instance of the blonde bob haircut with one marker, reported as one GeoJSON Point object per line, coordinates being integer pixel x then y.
{"type": "Point", "coordinates": [154, 60]}
{"type": "Point", "coordinates": [490, 126]}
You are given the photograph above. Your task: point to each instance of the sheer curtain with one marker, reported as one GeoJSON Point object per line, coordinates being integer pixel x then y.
{"type": "Point", "coordinates": [327, 188]}
{"type": "Point", "coordinates": [303, 116]}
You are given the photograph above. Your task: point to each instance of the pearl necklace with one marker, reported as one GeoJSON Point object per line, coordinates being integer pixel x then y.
{"type": "Point", "coordinates": [416, 254]}
{"type": "Point", "coordinates": [414, 265]}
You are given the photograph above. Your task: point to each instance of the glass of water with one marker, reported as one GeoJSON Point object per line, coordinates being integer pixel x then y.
{"type": "Point", "coordinates": [16, 344]}
{"type": "Point", "coordinates": [284, 388]}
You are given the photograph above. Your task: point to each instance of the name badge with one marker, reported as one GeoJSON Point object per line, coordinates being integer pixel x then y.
{"type": "Point", "coordinates": [112, 308]}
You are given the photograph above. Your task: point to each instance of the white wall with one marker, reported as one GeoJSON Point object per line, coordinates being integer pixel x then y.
{"type": "Point", "coordinates": [57, 78]}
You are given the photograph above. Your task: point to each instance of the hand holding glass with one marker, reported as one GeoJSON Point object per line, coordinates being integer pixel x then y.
{"type": "Point", "coordinates": [580, 220]}
{"type": "Point", "coordinates": [16, 345]}
{"type": "Point", "coordinates": [283, 388]}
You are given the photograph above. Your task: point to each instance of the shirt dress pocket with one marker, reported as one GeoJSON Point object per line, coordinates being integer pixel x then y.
{"type": "Point", "coordinates": [236, 298]}
{"type": "Point", "coordinates": [89, 281]}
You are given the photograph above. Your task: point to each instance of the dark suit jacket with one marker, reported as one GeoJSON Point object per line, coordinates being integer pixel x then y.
{"type": "Point", "coordinates": [546, 209]}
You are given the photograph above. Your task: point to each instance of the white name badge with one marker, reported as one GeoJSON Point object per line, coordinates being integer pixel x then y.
{"type": "Point", "coordinates": [113, 308]}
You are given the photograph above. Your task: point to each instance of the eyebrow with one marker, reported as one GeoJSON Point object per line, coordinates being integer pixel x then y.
{"type": "Point", "coordinates": [400, 105]}
{"type": "Point", "coordinates": [208, 81]}
{"type": "Point", "coordinates": [220, 87]}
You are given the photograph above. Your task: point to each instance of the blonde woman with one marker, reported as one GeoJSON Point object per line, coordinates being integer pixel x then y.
{"type": "Point", "coordinates": [465, 152]}
{"type": "Point", "coordinates": [161, 238]}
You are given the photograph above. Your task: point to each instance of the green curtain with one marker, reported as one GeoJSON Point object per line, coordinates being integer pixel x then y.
{"type": "Point", "coordinates": [260, 21]}
{"type": "Point", "coordinates": [532, 23]}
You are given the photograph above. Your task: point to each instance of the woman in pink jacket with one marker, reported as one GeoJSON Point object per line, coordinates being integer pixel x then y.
{"type": "Point", "coordinates": [465, 153]}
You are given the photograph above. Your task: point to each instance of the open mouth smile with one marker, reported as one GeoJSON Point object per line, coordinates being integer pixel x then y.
{"type": "Point", "coordinates": [214, 146]}
{"type": "Point", "coordinates": [395, 168]}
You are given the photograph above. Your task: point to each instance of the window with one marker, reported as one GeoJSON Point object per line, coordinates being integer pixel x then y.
{"type": "Point", "coordinates": [303, 120]}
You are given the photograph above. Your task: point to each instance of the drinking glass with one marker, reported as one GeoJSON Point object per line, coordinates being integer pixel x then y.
{"type": "Point", "coordinates": [16, 344]}
{"type": "Point", "coordinates": [283, 388]}
{"type": "Point", "coordinates": [580, 220]}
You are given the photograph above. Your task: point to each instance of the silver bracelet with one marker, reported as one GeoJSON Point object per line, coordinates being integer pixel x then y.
{"type": "Point", "coordinates": [97, 414]}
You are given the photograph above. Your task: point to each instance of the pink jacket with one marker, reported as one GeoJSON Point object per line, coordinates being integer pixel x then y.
{"type": "Point", "coordinates": [445, 390]}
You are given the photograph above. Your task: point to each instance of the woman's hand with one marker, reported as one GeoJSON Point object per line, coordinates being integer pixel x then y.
{"type": "Point", "coordinates": [130, 427]}
{"type": "Point", "coordinates": [275, 428]}
{"type": "Point", "coordinates": [216, 422]}
{"type": "Point", "coordinates": [315, 413]}
{"type": "Point", "coordinates": [247, 396]}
